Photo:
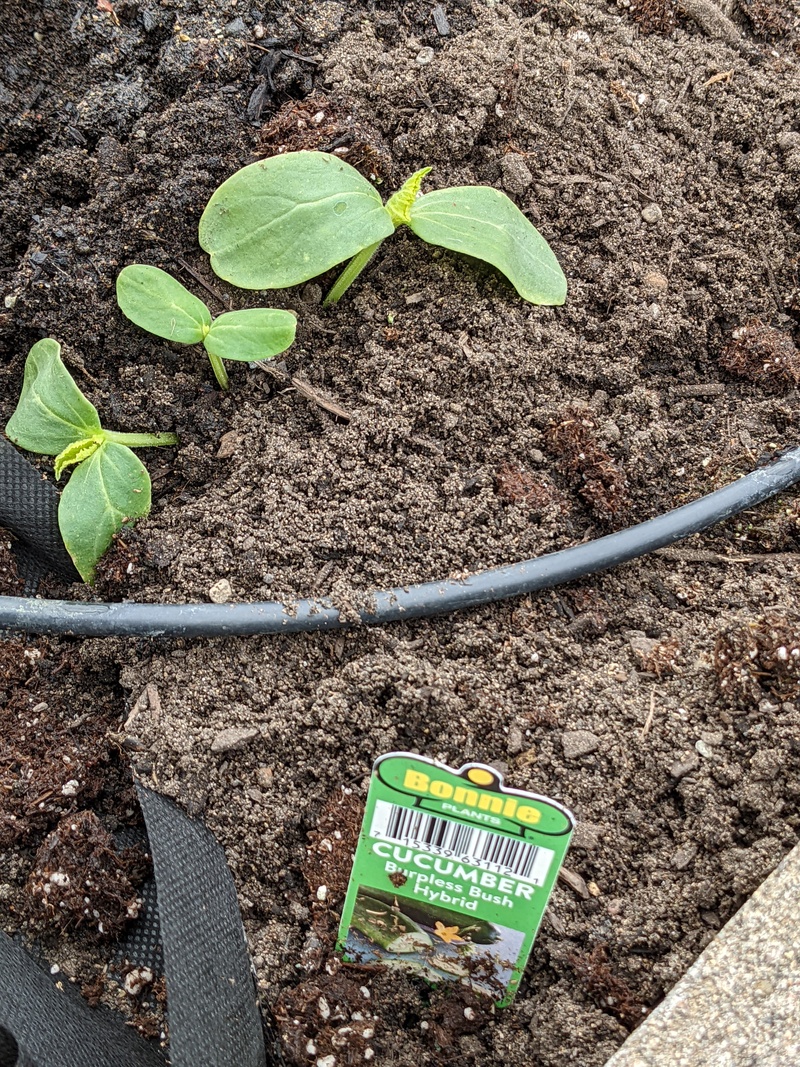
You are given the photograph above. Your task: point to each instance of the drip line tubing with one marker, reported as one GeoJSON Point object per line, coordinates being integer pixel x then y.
{"type": "Point", "coordinates": [28, 615]}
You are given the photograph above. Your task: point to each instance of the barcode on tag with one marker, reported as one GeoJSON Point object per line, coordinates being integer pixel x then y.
{"type": "Point", "coordinates": [467, 844]}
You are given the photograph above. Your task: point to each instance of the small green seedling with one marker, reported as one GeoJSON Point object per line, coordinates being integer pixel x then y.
{"type": "Point", "coordinates": [286, 219]}
{"type": "Point", "coordinates": [109, 486]}
{"type": "Point", "coordinates": [158, 303]}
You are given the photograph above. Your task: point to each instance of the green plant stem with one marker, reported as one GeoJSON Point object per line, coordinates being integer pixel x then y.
{"type": "Point", "coordinates": [351, 272]}
{"type": "Point", "coordinates": [219, 371]}
{"type": "Point", "coordinates": [140, 440]}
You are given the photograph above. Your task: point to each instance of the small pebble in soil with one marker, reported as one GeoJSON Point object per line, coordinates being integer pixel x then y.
{"type": "Point", "coordinates": [234, 738]}
{"type": "Point", "coordinates": [579, 743]}
{"type": "Point", "coordinates": [220, 592]}
{"type": "Point", "coordinates": [440, 20]}
{"type": "Point", "coordinates": [228, 444]}
{"type": "Point", "coordinates": [425, 56]}
{"type": "Point", "coordinates": [652, 213]}
{"type": "Point", "coordinates": [683, 857]}
{"type": "Point", "coordinates": [265, 777]}
{"type": "Point", "coordinates": [587, 836]}
{"type": "Point", "coordinates": [655, 280]}
{"type": "Point", "coordinates": [704, 749]}
{"type": "Point", "coordinates": [312, 293]}
{"type": "Point", "coordinates": [516, 175]}
{"type": "Point", "coordinates": [684, 766]}
{"type": "Point", "coordinates": [516, 741]}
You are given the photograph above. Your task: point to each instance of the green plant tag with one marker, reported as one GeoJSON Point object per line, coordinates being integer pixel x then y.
{"type": "Point", "coordinates": [285, 219]}
{"type": "Point", "coordinates": [452, 873]}
{"type": "Point", "coordinates": [483, 222]}
{"type": "Point", "coordinates": [250, 335]}
{"type": "Point", "coordinates": [159, 303]}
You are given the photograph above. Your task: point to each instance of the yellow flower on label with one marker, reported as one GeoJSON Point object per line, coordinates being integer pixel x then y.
{"type": "Point", "coordinates": [448, 934]}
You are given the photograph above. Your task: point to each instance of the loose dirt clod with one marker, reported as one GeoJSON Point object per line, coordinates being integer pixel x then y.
{"type": "Point", "coordinates": [758, 660]}
{"type": "Point", "coordinates": [80, 880]}
{"type": "Point", "coordinates": [609, 991]}
{"type": "Point", "coordinates": [317, 124]}
{"type": "Point", "coordinates": [762, 354]}
{"type": "Point", "coordinates": [767, 17]}
{"type": "Point", "coordinates": [651, 16]}
{"type": "Point", "coordinates": [657, 657]}
{"type": "Point", "coordinates": [50, 763]}
{"type": "Point", "coordinates": [327, 1017]}
{"type": "Point", "coordinates": [329, 859]}
{"type": "Point", "coordinates": [595, 475]}
{"type": "Point", "coordinates": [534, 491]}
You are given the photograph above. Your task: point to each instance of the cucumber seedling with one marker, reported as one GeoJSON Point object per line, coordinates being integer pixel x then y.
{"type": "Point", "coordinates": [157, 302]}
{"type": "Point", "coordinates": [288, 218]}
{"type": "Point", "coordinates": [109, 486]}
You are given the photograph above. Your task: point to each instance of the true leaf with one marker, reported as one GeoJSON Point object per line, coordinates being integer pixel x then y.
{"type": "Point", "coordinates": [107, 490]}
{"type": "Point", "coordinates": [251, 335]}
{"type": "Point", "coordinates": [484, 223]}
{"type": "Point", "coordinates": [52, 413]}
{"type": "Point", "coordinates": [159, 303]}
{"type": "Point", "coordinates": [291, 217]}
{"type": "Point", "coordinates": [77, 452]}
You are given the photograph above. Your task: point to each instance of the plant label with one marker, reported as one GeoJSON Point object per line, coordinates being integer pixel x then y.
{"type": "Point", "coordinates": [452, 873]}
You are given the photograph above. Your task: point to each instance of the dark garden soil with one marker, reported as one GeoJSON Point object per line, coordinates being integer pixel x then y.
{"type": "Point", "coordinates": [657, 147]}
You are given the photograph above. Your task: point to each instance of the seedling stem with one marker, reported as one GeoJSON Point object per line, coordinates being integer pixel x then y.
{"type": "Point", "coordinates": [358, 263]}
{"type": "Point", "coordinates": [140, 440]}
{"type": "Point", "coordinates": [220, 373]}
{"type": "Point", "coordinates": [398, 205]}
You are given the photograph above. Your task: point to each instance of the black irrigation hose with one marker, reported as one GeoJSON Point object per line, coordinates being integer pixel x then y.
{"type": "Point", "coordinates": [412, 602]}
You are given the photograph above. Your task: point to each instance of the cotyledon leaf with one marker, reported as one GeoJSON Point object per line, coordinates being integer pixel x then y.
{"type": "Point", "coordinates": [251, 335]}
{"type": "Point", "coordinates": [106, 491]}
{"type": "Point", "coordinates": [52, 413]}
{"type": "Point", "coordinates": [483, 222]}
{"type": "Point", "coordinates": [157, 302]}
{"type": "Point", "coordinates": [291, 217]}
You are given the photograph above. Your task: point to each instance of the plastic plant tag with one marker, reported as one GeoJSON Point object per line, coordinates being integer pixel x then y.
{"type": "Point", "coordinates": [452, 873]}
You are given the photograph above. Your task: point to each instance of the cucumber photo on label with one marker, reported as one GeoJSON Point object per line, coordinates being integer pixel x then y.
{"type": "Point", "coordinates": [479, 931]}
{"type": "Point", "coordinates": [387, 927]}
